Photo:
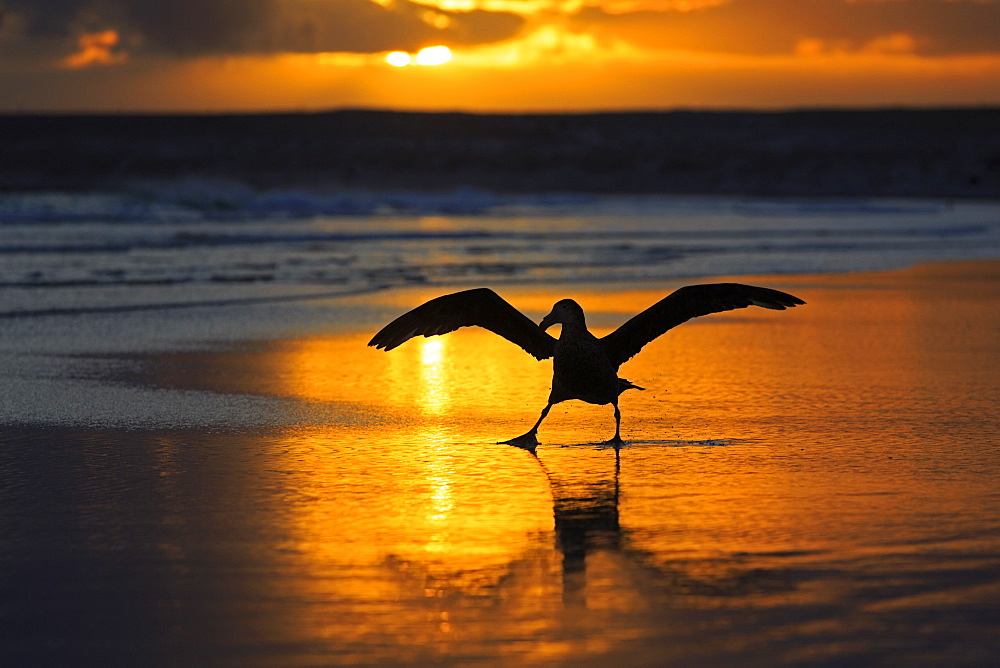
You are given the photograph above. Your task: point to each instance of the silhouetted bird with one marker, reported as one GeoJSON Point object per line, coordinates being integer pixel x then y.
{"type": "Point", "coordinates": [584, 367]}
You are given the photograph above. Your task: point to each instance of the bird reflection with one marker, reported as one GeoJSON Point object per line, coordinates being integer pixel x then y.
{"type": "Point", "coordinates": [586, 520]}
{"type": "Point", "coordinates": [592, 576]}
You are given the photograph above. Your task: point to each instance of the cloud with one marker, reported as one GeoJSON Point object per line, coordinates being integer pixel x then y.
{"type": "Point", "coordinates": [760, 27]}
{"type": "Point", "coordinates": [96, 48]}
{"type": "Point", "coordinates": [191, 28]}
{"type": "Point", "coordinates": [50, 32]}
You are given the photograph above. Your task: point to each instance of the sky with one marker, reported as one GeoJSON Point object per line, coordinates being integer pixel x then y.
{"type": "Point", "coordinates": [498, 55]}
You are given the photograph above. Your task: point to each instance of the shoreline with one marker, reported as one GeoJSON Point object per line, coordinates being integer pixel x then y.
{"type": "Point", "coordinates": [108, 379]}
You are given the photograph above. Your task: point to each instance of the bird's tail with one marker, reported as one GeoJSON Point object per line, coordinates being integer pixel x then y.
{"type": "Point", "coordinates": [627, 385]}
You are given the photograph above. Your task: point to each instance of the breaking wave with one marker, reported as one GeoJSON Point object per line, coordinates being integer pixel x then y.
{"type": "Point", "coordinates": [206, 242]}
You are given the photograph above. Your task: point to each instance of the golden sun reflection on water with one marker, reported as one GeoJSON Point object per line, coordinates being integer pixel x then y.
{"type": "Point", "coordinates": [434, 377]}
{"type": "Point", "coordinates": [778, 463]}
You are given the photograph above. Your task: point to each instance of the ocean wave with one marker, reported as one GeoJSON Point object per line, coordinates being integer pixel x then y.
{"type": "Point", "coordinates": [59, 256]}
{"type": "Point", "coordinates": [193, 200]}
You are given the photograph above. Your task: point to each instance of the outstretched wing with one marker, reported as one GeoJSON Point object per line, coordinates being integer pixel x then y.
{"type": "Point", "coordinates": [684, 304]}
{"type": "Point", "coordinates": [481, 307]}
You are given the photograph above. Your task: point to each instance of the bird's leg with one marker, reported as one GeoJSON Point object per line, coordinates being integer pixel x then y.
{"type": "Point", "coordinates": [617, 440]}
{"type": "Point", "coordinates": [530, 440]}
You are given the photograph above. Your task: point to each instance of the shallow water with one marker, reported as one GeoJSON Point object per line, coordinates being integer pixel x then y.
{"type": "Point", "coordinates": [811, 486]}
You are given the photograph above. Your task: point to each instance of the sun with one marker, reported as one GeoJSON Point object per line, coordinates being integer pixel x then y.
{"type": "Point", "coordinates": [432, 55]}
{"type": "Point", "coordinates": [398, 59]}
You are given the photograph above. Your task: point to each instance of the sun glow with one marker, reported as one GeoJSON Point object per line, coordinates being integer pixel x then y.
{"type": "Point", "coordinates": [398, 59]}
{"type": "Point", "coordinates": [433, 55]}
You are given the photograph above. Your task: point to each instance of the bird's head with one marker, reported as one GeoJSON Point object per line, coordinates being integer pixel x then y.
{"type": "Point", "coordinates": [564, 311]}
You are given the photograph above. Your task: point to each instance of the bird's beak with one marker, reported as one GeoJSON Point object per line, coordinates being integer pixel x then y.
{"type": "Point", "coordinates": [548, 321]}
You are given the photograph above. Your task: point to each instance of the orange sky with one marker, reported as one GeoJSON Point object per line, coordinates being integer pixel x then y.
{"type": "Point", "coordinates": [506, 55]}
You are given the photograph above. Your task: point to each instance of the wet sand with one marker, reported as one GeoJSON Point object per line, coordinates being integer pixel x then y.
{"type": "Point", "coordinates": [812, 486]}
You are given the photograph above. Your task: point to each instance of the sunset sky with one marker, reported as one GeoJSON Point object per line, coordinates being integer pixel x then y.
{"type": "Point", "coordinates": [501, 55]}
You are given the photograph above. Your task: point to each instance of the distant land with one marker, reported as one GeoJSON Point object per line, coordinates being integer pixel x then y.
{"type": "Point", "coordinates": [948, 153]}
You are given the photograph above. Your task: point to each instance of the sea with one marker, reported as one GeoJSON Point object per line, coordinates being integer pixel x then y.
{"type": "Point", "coordinates": [207, 244]}
{"type": "Point", "coordinates": [201, 463]}
{"type": "Point", "coordinates": [187, 263]}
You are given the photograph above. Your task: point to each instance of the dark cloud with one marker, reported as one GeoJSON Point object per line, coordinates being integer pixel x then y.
{"type": "Point", "coordinates": [218, 27]}
{"type": "Point", "coordinates": [47, 31]}
{"type": "Point", "coordinates": [777, 26]}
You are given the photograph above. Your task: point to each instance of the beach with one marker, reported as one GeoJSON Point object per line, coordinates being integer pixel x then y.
{"type": "Point", "coordinates": [811, 486]}
{"type": "Point", "coordinates": [202, 462]}
{"type": "Point", "coordinates": [212, 212]}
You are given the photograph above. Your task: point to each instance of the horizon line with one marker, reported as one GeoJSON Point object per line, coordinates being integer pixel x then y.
{"type": "Point", "coordinates": [804, 109]}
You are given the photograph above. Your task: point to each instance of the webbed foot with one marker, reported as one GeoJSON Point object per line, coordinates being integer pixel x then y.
{"type": "Point", "coordinates": [527, 441]}
{"type": "Point", "coordinates": [616, 441]}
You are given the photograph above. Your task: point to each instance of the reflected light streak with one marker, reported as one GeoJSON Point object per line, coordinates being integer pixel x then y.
{"type": "Point", "coordinates": [442, 499]}
{"type": "Point", "coordinates": [431, 351]}
{"type": "Point", "coordinates": [435, 379]}
{"type": "Point", "coordinates": [440, 477]}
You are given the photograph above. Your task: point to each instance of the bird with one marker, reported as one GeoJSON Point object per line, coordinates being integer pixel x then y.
{"type": "Point", "coordinates": [584, 367]}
